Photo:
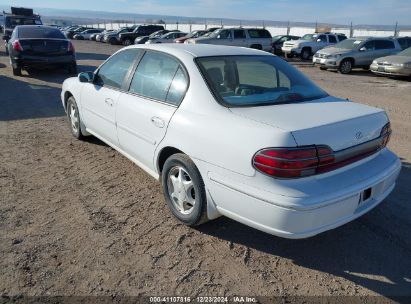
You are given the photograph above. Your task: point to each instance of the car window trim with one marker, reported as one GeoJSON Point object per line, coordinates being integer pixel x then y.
{"type": "Point", "coordinates": [180, 65]}
{"type": "Point", "coordinates": [122, 87]}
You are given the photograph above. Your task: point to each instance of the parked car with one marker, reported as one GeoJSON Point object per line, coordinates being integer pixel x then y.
{"type": "Point", "coordinates": [167, 38]}
{"type": "Point", "coordinates": [279, 40]}
{"type": "Point", "coordinates": [144, 39]}
{"type": "Point", "coordinates": [394, 65]}
{"type": "Point", "coordinates": [251, 37]}
{"type": "Point", "coordinates": [99, 36]}
{"type": "Point", "coordinates": [39, 46]}
{"type": "Point", "coordinates": [85, 35]}
{"type": "Point", "coordinates": [71, 32]}
{"type": "Point", "coordinates": [114, 37]}
{"type": "Point", "coordinates": [405, 42]}
{"type": "Point", "coordinates": [309, 44]}
{"type": "Point", "coordinates": [142, 30]}
{"type": "Point", "coordinates": [193, 34]}
{"type": "Point", "coordinates": [355, 53]}
{"type": "Point", "coordinates": [182, 112]}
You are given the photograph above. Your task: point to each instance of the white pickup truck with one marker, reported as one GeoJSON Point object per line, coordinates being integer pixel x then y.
{"type": "Point", "coordinates": [255, 38]}
{"type": "Point", "coordinates": [309, 44]}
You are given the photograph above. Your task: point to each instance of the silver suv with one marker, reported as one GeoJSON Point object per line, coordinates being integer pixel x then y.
{"type": "Point", "coordinates": [256, 38]}
{"type": "Point", "coordinates": [355, 52]}
{"type": "Point", "coordinates": [308, 44]}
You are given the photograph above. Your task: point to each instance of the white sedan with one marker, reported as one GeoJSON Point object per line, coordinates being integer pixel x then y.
{"type": "Point", "coordinates": [166, 38]}
{"type": "Point", "coordinates": [237, 132]}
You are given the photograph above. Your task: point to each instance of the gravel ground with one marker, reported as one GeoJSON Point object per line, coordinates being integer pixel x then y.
{"type": "Point", "coordinates": [77, 218]}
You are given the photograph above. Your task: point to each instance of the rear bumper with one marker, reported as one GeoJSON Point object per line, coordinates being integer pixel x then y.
{"type": "Point", "coordinates": [43, 61]}
{"type": "Point", "coordinates": [390, 70]}
{"type": "Point", "coordinates": [306, 216]}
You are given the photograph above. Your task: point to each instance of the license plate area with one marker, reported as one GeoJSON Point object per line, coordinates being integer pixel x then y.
{"type": "Point", "coordinates": [381, 69]}
{"type": "Point", "coordinates": [365, 196]}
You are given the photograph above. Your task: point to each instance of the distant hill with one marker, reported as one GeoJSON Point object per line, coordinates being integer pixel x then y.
{"type": "Point", "coordinates": [83, 17]}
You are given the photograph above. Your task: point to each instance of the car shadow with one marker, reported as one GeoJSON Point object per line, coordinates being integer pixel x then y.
{"type": "Point", "coordinates": [23, 100]}
{"type": "Point", "coordinates": [2, 65]}
{"type": "Point", "coordinates": [91, 56]}
{"type": "Point", "coordinates": [374, 251]}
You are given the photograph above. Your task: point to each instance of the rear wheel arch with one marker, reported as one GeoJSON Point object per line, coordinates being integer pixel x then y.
{"type": "Point", "coordinates": [165, 153]}
{"type": "Point", "coordinates": [67, 95]}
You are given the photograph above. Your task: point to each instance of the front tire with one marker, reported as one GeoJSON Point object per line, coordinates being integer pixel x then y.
{"type": "Point", "coordinates": [184, 190]}
{"type": "Point", "coordinates": [345, 66]}
{"type": "Point", "coordinates": [112, 41]}
{"type": "Point", "coordinates": [305, 53]}
{"type": "Point", "coordinates": [73, 116]}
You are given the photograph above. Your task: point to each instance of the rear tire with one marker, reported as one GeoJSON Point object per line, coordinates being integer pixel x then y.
{"type": "Point", "coordinates": [184, 190]}
{"type": "Point", "coordinates": [73, 116]}
{"type": "Point", "coordinates": [112, 41]}
{"type": "Point", "coordinates": [127, 42]}
{"type": "Point", "coordinates": [16, 70]}
{"type": "Point", "coordinates": [323, 68]}
{"type": "Point", "coordinates": [72, 68]}
{"type": "Point", "coordinates": [288, 56]}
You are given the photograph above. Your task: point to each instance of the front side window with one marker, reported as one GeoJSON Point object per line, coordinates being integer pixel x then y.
{"type": "Point", "coordinates": [256, 80]}
{"type": "Point", "coordinates": [114, 70]}
{"type": "Point", "coordinates": [159, 76]}
{"type": "Point", "coordinates": [368, 46]}
{"type": "Point", "coordinates": [224, 34]}
{"type": "Point", "coordinates": [322, 38]}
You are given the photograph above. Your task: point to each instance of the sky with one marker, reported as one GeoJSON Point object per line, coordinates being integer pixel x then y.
{"type": "Point", "coordinates": [384, 12]}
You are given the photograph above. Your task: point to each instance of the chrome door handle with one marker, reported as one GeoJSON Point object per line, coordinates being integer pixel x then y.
{"type": "Point", "coordinates": [158, 122]}
{"type": "Point", "coordinates": [109, 101]}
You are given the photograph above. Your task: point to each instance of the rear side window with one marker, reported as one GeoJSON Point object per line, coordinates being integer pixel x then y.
{"type": "Point", "coordinates": [384, 44]}
{"type": "Point", "coordinates": [332, 39]}
{"type": "Point", "coordinates": [160, 77]}
{"type": "Point", "coordinates": [404, 42]}
{"type": "Point", "coordinates": [256, 33]}
{"type": "Point", "coordinates": [114, 70]}
{"type": "Point", "coordinates": [341, 37]}
{"type": "Point", "coordinates": [40, 32]}
{"type": "Point", "coordinates": [239, 34]}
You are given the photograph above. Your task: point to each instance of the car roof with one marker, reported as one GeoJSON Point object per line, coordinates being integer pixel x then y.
{"type": "Point", "coordinates": [201, 50]}
{"type": "Point", "coordinates": [36, 26]}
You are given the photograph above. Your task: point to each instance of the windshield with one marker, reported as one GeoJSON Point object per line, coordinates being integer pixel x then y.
{"type": "Point", "coordinates": [310, 37]}
{"type": "Point", "coordinates": [406, 52]}
{"type": "Point", "coordinates": [349, 44]}
{"type": "Point", "coordinates": [256, 80]}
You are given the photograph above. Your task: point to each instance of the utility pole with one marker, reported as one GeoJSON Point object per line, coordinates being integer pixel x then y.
{"type": "Point", "coordinates": [351, 30]}
{"type": "Point", "coordinates": [396, 29]}
{"type": "Point", "coordinates": [288, 28]}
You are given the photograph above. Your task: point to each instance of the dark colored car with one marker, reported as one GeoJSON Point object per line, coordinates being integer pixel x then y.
{"type": "Point", "coordinates": [40, 46]}
{"type": "Point", "coordinates": [70, 33]}
{"type": "Point", "coordinates": [279, 40]}
{"type": "Point", "coordinates": [193, 34]}
{"type": "Point", "coordinates": [142, 30]}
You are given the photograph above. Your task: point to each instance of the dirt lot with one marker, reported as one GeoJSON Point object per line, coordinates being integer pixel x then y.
{"type": "Point", "coordinates": [77, 218]}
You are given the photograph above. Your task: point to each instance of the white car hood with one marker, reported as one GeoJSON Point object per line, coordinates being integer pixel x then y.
{"type": "Point", "coordinates": [328, 121]}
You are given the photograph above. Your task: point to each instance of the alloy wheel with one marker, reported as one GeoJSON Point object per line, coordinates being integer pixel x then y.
{"type": "Point", "coordinates": [181, 190]}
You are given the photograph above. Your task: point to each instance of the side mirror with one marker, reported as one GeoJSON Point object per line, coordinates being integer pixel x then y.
{"type": "Point", "coordinates": [6, 37]}
{"type": "Point", "coordinates": [363, 49]}
{"type": "Point", "coordinates": [318, 40]}
{"type": "Point", "coordinates": [86, 77]}
{"type": "Point", "coordinates": [218, 37]}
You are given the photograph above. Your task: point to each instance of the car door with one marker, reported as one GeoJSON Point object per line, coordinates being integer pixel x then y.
{"type": "Point", "coordinates": [224, 37]}
{"type": "Point", "coordinates": [384, 47]}
{"type": "Point", "coordinates": [144, 112]}
{"type": "Point", "coordinates": [366, 51]}
{"type": "Point", "coordinates": [99, 99]}
{"type": "Point", "coordinates": [321, 43]}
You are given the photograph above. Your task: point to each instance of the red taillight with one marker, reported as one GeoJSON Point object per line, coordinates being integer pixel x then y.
{"type": "Point", "coordinates": [71, 47]}
{"type": "Point", "coordinates": [311, 160]}
{"type": "Point", "coordinates": [17, 46]}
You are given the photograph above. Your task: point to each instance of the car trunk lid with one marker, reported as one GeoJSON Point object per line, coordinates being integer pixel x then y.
{"type": "Point", "coordinates": [337, 123]}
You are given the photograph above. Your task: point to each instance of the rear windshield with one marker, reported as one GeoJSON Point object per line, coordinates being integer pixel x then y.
{"type": "Point", "coordinates": [40, 32]}
{"type": "Point", "coordinates": [256, 33]}
{"type": "Point", "coordinates": [256, 80]}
